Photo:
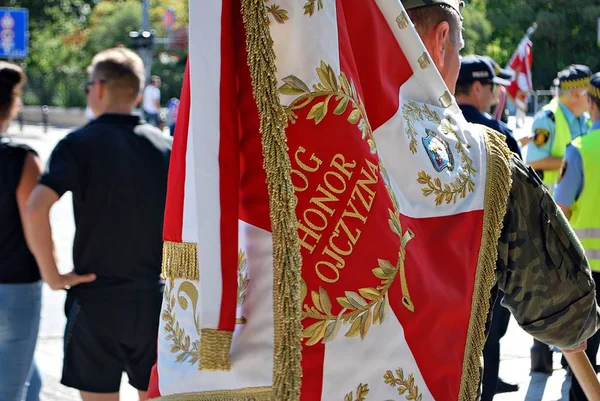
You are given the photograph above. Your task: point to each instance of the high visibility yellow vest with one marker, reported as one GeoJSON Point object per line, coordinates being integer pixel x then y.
{"type": "Point", "coordinates": [585, 217]}
{"type": "Point", "coordinates": [562, 137]}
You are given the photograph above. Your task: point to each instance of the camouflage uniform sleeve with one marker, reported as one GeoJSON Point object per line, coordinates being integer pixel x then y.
{"type": "Point", "coordinates": [542, 268]}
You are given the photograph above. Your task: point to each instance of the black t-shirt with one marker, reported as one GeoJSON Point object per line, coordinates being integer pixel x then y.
{"type": "Point", "coordinates": [116, 169]}
{"type": "Point", "coordinates": [474, 116]}
{"type": "Point", "coordinates": [17, 264]}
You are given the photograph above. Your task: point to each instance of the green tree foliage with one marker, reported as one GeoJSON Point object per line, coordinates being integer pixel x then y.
{"type": "Point", "coordinates": [477, 28]}
{"type": "Point", "coordinates": [65, 35]}
{"type": "Point", "coordinates": [566, 34]}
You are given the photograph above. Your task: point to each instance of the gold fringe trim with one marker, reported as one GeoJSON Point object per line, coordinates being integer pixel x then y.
{"type": "Point", "coordinates": [214, 349]}
{"type": "Point", "coordinates": [180, 260]}
{"type": "Point", "coordinates": [575, 83]}
{"type": "Point", "coordinates": [244, 394]}
{"type": "Point", "coordinates": [497, 189]}
{"type": "Point", "coordinates": [287, 370]}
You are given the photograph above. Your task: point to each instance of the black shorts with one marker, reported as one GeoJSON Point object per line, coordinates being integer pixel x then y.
{"type": "Point", "coordinates": [109, 336]}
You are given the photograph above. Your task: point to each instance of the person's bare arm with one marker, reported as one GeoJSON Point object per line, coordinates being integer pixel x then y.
{"type": "Point", "coordinates": [549, 163]}
{"type": "Point", "coordinates": [39, 238]}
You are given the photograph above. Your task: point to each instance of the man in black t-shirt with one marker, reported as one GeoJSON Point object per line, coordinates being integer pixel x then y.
{"type": "Point", "coordinates": [116, 167]}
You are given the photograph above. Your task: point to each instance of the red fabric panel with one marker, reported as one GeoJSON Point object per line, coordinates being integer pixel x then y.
{"type": "Point", "coordinates": [153, 390]}
{"type": "Point", "coordinates": [176, 185]}
{"type": "Point", "coordinates": [229, 166]}
{"type": "Point", "coordinates": [374, 51]}
{"type": "Point", "coordinates": [441, 263]}
{"type": "Point", "coordinates": [254, 196]}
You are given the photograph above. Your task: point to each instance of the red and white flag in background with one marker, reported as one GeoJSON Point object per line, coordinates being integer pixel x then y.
{"type": "Point", "coordinates": [520, 63]}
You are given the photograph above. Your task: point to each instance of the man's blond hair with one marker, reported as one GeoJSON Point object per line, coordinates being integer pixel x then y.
{"type": "Point", "coordinates": [121, 69]}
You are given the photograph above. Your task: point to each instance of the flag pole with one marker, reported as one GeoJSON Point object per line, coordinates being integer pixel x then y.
{"type": "Point", "coordinates": [585, 374]}
{"type": "Point", "coordinates": [530, 31]}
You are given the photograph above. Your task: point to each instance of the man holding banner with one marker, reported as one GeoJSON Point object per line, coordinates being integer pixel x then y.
{"type": "Point", "coordinates": [319, 159]}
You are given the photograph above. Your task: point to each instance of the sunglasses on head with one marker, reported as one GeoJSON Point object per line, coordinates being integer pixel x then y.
{"type": "Point", "coordinates": [88, 84]}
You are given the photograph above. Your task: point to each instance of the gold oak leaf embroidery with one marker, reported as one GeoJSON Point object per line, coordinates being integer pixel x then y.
{"type": "Point", "coordinates": [279, 14]}
{"type": "Point", "coordinates": [464, 182]}
{"type": "Point", "coordinates": [363, 309]}
{"type": "Point", "coordinates": [340, 89]}
{"type": "Point", "coordinates": [309, 6]}
{"type": "Point", "coordinates": [405, 387]}
{"type": "Point", "coordinates": [413, 112]}
{"type": "Point", "coordinates": [243, 282]}
{"type": "Point", "coordinates": [361, 393]}
{"type": "Point", "coordinates": [176, 335]}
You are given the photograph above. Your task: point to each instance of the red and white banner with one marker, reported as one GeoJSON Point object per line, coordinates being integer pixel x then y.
{"type": "Point", "coordinates": [389, 187]}
{"type": "Point", "coordinates": [522, 84]}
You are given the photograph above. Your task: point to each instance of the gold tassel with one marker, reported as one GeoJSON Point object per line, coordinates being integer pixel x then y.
{"type": "Point", "coordinates": [214, 349]}
{"type": "Point", "coordinates": [180, 260]}
{"type": "Point", "coordinates": [287, 370]}
{"type": "Point", "coordinates": [497, 189]}
{"type": "Point", "coordinates": [245, 394]}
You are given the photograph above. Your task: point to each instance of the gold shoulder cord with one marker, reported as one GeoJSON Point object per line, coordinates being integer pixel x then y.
{"type": "Point", "coordinates": [497, 189]}
{"type": "Point", "coordinates": [287, 370]}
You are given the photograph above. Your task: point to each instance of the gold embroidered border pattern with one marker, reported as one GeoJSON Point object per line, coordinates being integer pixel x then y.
{"type": "Point", "coordinates": [464, 182]}
{"type": "Point", "coordinates": [179, 340]}
{"type": "Point", "coordinates": [244, 394]}
{"type": "Point", "coordinates": [343, 92]}
{"type": "Point", "coordinates": [361, 310]}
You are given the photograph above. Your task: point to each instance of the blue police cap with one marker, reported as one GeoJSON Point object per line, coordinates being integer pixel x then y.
{"type": "Point", "coordinates": [483, 69]}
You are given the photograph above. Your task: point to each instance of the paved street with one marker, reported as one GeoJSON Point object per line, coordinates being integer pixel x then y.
{"type": "Point", "coordinates": [515, 345]}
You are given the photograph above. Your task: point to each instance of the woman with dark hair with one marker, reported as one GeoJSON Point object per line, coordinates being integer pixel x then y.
{"type": "Point", "coordinates": [20, 283]}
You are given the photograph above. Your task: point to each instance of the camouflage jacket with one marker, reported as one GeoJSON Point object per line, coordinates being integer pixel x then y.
{"type": "Point", "coordinates": [541, 266]}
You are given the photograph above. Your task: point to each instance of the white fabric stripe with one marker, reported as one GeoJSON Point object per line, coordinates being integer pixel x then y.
{"type": "Point", "coordinates": [413, 48]}
{"type": "Point", "coordinates": [189, 231]}
{"type": "Point", "coordinates": [384, 348]}
{"type": "Point", "coordinates": [592, 253]}
{"type": "Point", "coordinates": [252, 346]}
{"type": "Point", "coordinates": [588, 233]}
{"type": "Point", "coordinates": [312, 39]}
{"type": "Point", "coordinates": [205, 69]}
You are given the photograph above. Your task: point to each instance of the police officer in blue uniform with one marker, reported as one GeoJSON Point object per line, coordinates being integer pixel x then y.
{"type": "Point", "coordinates": [558, 123]}
{"type": "Point", "coordinates": [476, 94]}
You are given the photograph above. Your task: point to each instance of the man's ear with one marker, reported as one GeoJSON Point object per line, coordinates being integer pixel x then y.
{"type": "Point", "coordinates": [138, 99]}
{"type": "Point", "coordinates": [100, 87]}
{"type": "Point", "coordinates": [440, 38]}
{"type": "Point", "coordinates": [476, 87]}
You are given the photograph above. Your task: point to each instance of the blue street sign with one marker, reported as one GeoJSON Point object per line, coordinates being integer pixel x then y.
{"type": "Point", "coordinates": [14, 33]}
